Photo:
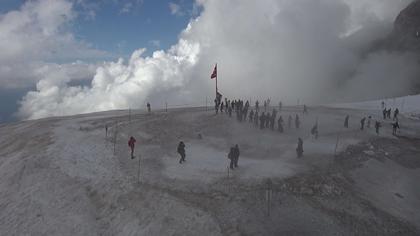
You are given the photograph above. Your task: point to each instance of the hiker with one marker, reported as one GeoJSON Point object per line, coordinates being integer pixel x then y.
{"type": "Point", "coordinates": [280, 124]}
{"type": "Point", "coordinates": [257, 106]}
{"type": "Point", "coordinates": [131, 144]}
{"type": "Point", "coordinates": [346, 121]}
{"type": "Point", "coordinates": [388, 113]}
{"type": "Point", "coordinates": [221, 107]}
{"type": "Point", "coordinates": [230, 111]}
{"type": "Point", "coordinates": [362, 123]}
{"type": "Point", "coordinates": [297, 121]}
{"type": "Point", "coordinates": [299, 149]}
{"type": "Point", "coordinates": [106, 131]}
{"type": "Point", "coordinates": [280, 105]}
{"type": "Point", "coordinates": [396, 112]}
{"type": "Point", "coordinates": [251, 116]}
{"type": "Point", "coordinates": [369, 121]}
{"type": "Point", "coordinates": [383, 104]}
{"type": "Point", "coordinates": [236, 155]}
{"type": "Point", "coordinates": [231, 157]}
{"type": "Point", "coordinates": [305, 109]}
{"type": "Point", "coordinates": [395, 126]}
{"type": "Point", "coordinates": [314, 131]}
{"type": "Point", "coordinates": [148, 107]}
{"type": "Point", "coordinates": [181, 151]}
{"type": "Point", "coordinates": [384, 113]}
{"type": "Point", "coordinates": [377, 126]}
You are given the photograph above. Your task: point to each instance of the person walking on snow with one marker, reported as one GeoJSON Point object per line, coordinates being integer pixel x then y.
{"type": "Point", "coordinates": [181, 151]}
{"type": "Point", "coordinates": [369, 121]}
{"type": "Point", "coordinates": [131, 144]}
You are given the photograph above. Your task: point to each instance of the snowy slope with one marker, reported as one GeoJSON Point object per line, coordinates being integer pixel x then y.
{"type": "Point", "coordinates": [61, 176]}
{"type": "Point", "coordinates": [408, 105]}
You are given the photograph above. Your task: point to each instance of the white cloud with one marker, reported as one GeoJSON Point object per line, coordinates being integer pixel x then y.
{"type": "Point", "coordinates": [283, 49]}
{"type": "Point", "coordinates": [175, 9]}
{"type": "Point", "coordinates": [36, 33]}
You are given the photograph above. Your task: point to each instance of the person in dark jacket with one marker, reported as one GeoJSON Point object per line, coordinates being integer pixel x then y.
{"type": "Point", "coordinates": [396, 112]}
{"type": "Point", "coordinates": [181, 151]}
{"type": "Point", "coordinates": [231, 157]}
{"type": "Point", "coordinates": [299, 149]}
{"type": "Point", "coordinates": [362, 123]}
{"type": "Point", "coordinates": [346, 121]}
{"type": "Point", "coordinates": [395, 126]}
{"type": "Point", "coordinates": [280, 124]}
{"type": "Point", "coordinates": [131, 143]}
{"type": "Point", "coordinates": [236, 155]}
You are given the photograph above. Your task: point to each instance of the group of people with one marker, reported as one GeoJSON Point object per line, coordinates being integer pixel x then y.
{"type": "Point", "coordinates": [386, 115]}
{"type": "Point", "coordinates": [265, 119]}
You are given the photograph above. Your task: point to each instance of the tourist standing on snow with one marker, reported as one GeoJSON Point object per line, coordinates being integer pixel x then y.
{"type": "Point", "coordinates": [299, 149]}
{"type": "Point", "coordinates": [297, 121]}
{"type": "Point", "coordinates": [377, 126]}
{"type": "Point", "coordinates": [251, 116]}
{"type": "Point", "coordinates": [395, 126]}
{"type": "Point", "coordinates": [131, 143]}
{"type": "Point", "coordinates": [362, 123]}
{"type": "Point", "coordinates": [236, 155]}
{"type": "Point", "coordinates": [314, 131]}
{"type": "Point", "coordinates": [346, 121]}
{"type": "Point", "coordinates": [369, 121]}
{"type": "Point", "coordinates": [280, 124]}
{"type": "Point", "coordinates": [384, 113]}
{"type": "Point", "coordinates": [396, 112]}
{"type": "Point", "coordinates": [305, 109]}
{"type": "Point", "coordinates": [149, 109]}
{"type": "Point", "coordinates": [231, 157]}
{"type": "Point", "coordinates": [181, 151]}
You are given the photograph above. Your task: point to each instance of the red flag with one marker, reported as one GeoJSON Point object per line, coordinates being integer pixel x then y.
{"type": "Point", "coordinates": [214, 74]}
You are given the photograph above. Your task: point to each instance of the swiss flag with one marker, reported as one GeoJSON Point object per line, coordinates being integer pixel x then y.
{"type": "Point", "coordinates": [214, 74]}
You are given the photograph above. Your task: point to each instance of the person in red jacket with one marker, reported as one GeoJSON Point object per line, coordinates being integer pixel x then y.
{"type": "Point", "coordinates": [131, 143]}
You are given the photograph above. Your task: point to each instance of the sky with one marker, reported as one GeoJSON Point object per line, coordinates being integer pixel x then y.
{"type": "Point", "coordinates": [110, 29]}
{"type": "Point", "coordinates": [64, 57]}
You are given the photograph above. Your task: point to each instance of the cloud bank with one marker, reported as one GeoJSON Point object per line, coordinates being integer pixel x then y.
{"type": "Point", "coordinates": [312, 50]}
